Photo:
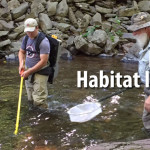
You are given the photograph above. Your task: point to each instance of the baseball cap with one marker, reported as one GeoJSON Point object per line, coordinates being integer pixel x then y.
{"type": "Point", "coordinates": [30, 25]}
{"type": "Point", "coordinates": [139, 21]}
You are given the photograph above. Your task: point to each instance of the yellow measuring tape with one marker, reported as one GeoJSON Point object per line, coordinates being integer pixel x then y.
{"type": "Point", "coordinates": [19, 106]}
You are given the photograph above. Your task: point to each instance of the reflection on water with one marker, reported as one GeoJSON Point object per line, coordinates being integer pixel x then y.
{"type": "Point", "coordinates": [119, 121]}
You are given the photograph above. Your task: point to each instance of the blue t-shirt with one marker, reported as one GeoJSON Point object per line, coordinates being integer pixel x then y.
{"type": "Point", "coordinates": [33, 58]}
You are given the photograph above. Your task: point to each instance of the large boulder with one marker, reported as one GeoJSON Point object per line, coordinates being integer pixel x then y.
{"type": "Point", "coordinates": [99, 37]}
{"type": "Point", "coordinates": [80, 42]}
{"type": "Point", "coordinates": [36, 8]}
{"type": "Point", "coordinates": [92, 49]}
{"type": "Point", "coordinates": [51, 8]}
{"type": "Point", "coordinates": [85, 47]}
{"type": "Point", "coordinates": [19, 11]}
{"type": "Point", "coordinates": [62, 9]}
{"type": "Point", "coordinates": [96, 19]}
{"type": "Point", "coordinates": [45, 22]}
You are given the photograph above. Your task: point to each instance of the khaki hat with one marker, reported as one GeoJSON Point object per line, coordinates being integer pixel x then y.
{"type": "Point", "coordinates": [139, 21]}
{"type": "Point", "coordinates": [30, 25]}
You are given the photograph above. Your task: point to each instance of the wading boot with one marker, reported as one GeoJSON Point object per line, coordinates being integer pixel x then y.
{"type": "Point", "coordinates": [146, 131]}
{"type": "Point", "coordinates": [43, 107]}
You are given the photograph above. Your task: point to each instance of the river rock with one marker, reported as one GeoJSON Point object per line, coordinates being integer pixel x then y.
{"type": "Point", "coordinates": [70, 41]}
{"type": "Point", "coordinates": [86, 21]}
{"type": "Point", "coordinates": [103, 10]}
{"type": "Point", "coordinates": [4, 3]}
{"type": "Point", "coordinates": [22, 18]}
{"type": "Point", "coordinates": [99, 37]}
{"type": "Point", "coordinates": [36, 8]}
{"type": "Point", "coordinates": [65, 54]}
{"type": "Point", "coordinates": [106, 26]}
{"type": "Point", "coordinates": [96, 19]}
{"type": "Point", "coordinates": [72, 17]}
{"type": "Point", "coordinates": [144, 6]}
{"type": "Point", "coordinates": [19, 29]}
{"type": "Point", "coordinates": [79, 14]}
{"type": "Point", "coordinates": [19, 11]}
{"type": "Point", "coordinates": [92, 49]}
{"type": "Point", "coordinates": [12, 36]}
{"type": "Point", "coordinates": [92, 9]}
{"type": "Point", "coordinates": [51, 8]}
{"type": "Point", "coordinates": [62, 9]}
{"type": "Point", "coordinates": [3, 33]}
{"type": "Point", "coordinates": [4, 12]}
{"type": "Point", "coordinates": [110, 45]}
{"type": "Point", "coordinates": [127, 12]}
{"type": "Point", "coordinates": [63, 27]}
{"type": "Point", "coordinates": [106, 4]}
{"type": "Point", "coordinates": [6, 25]}
{"type": "Point", "coordinates": [74, 30]}
{"type": "Point", "coordinates": [80, 42]}
{"type": "Point", "coordinates": [45, 22]}
{"type": "Point", "coordinates": [4, 43]}
{"type": "Point", "coordinates": [13, 4]}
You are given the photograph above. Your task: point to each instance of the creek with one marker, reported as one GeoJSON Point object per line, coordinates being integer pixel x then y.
{"type": "Point", "coordinates": [119, 121]}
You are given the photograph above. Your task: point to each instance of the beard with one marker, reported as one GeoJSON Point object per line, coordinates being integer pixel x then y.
{"type": "Point", "coordinates": [142, 40]}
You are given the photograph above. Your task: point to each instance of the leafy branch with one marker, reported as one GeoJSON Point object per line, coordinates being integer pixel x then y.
{"type": "Point", "coordinates": [90, 30]}
{"type": "Point", "coordinates": [117, 30]}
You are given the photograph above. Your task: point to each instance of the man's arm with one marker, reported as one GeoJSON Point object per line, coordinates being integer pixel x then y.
{"type": "Point", "coordinates": [43, 62]}
{"type": "Point", "coordinates": [21, 56]}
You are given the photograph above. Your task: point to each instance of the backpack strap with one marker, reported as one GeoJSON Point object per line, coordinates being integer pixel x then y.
{"type": "Point", "coordinates": [25, 41]}
{"type": "Point", "coordinates": [39, 39]}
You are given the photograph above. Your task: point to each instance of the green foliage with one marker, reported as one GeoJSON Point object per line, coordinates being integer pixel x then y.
{"type": "Point", "coordinates": [119, 33]}
{"type": "Point", "coordinates": [116, 30]}
{"type": "Point", "coordinates": [90, 30]}
{"type": "Point", "coordinates": [111, 36]}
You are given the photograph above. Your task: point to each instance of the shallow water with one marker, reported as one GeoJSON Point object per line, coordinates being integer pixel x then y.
{"type": "Point", "coordinates": [119, 121]}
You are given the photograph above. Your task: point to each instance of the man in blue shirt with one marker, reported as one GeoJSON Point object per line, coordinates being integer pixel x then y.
{"type": "Point", "coordinates": [37, 89]}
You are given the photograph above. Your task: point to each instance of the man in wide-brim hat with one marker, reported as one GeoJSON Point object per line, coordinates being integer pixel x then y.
{"type": "Point", "coordinates": [141, 30]}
